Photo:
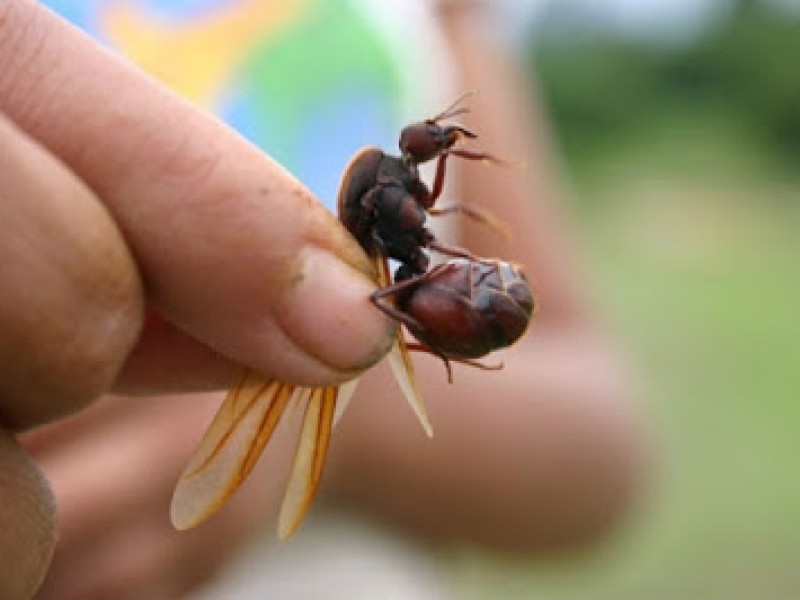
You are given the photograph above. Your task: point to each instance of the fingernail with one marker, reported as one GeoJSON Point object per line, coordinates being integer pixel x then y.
{"type": "Point", "coordinates": [329, 315]}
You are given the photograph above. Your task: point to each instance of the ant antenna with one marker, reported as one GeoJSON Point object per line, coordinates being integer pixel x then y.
{"type": "Point", "coordinates": [415, 347]}
{"type": "Point", "coordinates": [453, 110]}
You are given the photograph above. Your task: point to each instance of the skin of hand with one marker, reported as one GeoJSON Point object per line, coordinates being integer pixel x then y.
{"type": "Point", "coordinates": [112, 469]}
{"type": "Point", "coordinates": [542, 455]}
{"type": "Point", "coordinates": [145, 248]}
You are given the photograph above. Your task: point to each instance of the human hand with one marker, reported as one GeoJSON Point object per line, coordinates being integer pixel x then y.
{"type": "Point", "coordinates": [146, 248]}
{"type": "Point", "coordinates": [112, 469]}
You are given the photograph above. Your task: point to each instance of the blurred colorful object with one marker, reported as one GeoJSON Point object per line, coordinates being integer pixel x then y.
{"type": "Point", "coordinates": [310, 81]}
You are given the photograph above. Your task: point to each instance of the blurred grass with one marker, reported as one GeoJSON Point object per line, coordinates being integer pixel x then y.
{"type": "Point", "coordinates": [694, 251]}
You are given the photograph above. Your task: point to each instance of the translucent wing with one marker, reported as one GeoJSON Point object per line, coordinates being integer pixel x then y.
{"type": "Point", "coordinates": [309, 460]}
{"type": "Point", "coordinates": [236, 438]}
{"type": "Point", "coordinates": [400, 359]}
{"type": "Point", "coordinates": [403, 369]}
{"type": "Point", "coordinates": [346, 391]}
{"type": "Point", "coordinates": [229, 449]}
{"type": "Point", "coordinates": [325, 406]}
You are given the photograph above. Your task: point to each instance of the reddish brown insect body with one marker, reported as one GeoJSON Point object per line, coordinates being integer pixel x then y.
{"type": "Point", "coordinates": [384, 203]}
{"type": "Point", "coordinates": [462, 309]}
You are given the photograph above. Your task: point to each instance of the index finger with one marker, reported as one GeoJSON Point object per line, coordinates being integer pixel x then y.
{"type": "Point", "coordinates": [231, 247]}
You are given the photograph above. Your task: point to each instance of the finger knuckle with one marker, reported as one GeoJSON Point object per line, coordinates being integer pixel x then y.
{"type": "Point", "coordinates": [100, 340]}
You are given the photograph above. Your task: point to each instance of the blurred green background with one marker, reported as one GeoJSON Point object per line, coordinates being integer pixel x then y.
{"type": "Point", "coordinates": [683, 155]}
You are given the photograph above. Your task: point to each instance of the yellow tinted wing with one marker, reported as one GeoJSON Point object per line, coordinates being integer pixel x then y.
{"type": "Point", "coordinates": [309, 460]}
{"type": "Point", "coordinates": [400, 360]}
{"type": "Point", "coordinates": [229, 449]}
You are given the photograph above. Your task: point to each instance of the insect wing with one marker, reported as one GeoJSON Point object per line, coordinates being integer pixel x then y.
{"type": "Point", "coordinates": [346, 391]}
{"type": "Point", "coordinates": [309, 460]}
{"type": "Point", "coordinates": [403, 369]}
{"type": "Point", "coordinates": [323, 409]}
{"type": "Point", "coordinates": [230, 447]}
{"type": "Point", "coordinates": [400, 360]}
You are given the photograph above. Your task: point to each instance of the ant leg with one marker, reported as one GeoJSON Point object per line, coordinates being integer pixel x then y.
{"type": "Point", "coordinates": [475, 213]}
{"type": "Point", "coordinates": [480, 156]}
{"type": "Point", "coordinates": [441, 165]}
{"type": "Point", "coordinates": [448, 250]}
{"type": "Point", "coordinates": [390, 311]}
{"type": "Point", "coordinates": [417, 347]}
{"type": "Point", "coordinates": [400, 286]}
{"type": "Point", "coordinates": [377, 297]}
{"type": "Point", "coordinates": [457, 252]}
{"type": "Point", "coordinates": [438, 181]}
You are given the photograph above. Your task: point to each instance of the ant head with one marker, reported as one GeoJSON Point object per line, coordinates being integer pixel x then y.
{"type": "Point", "coordinates": [420, 142]}
{"type": "Point", "coordinates": [423, 141]}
